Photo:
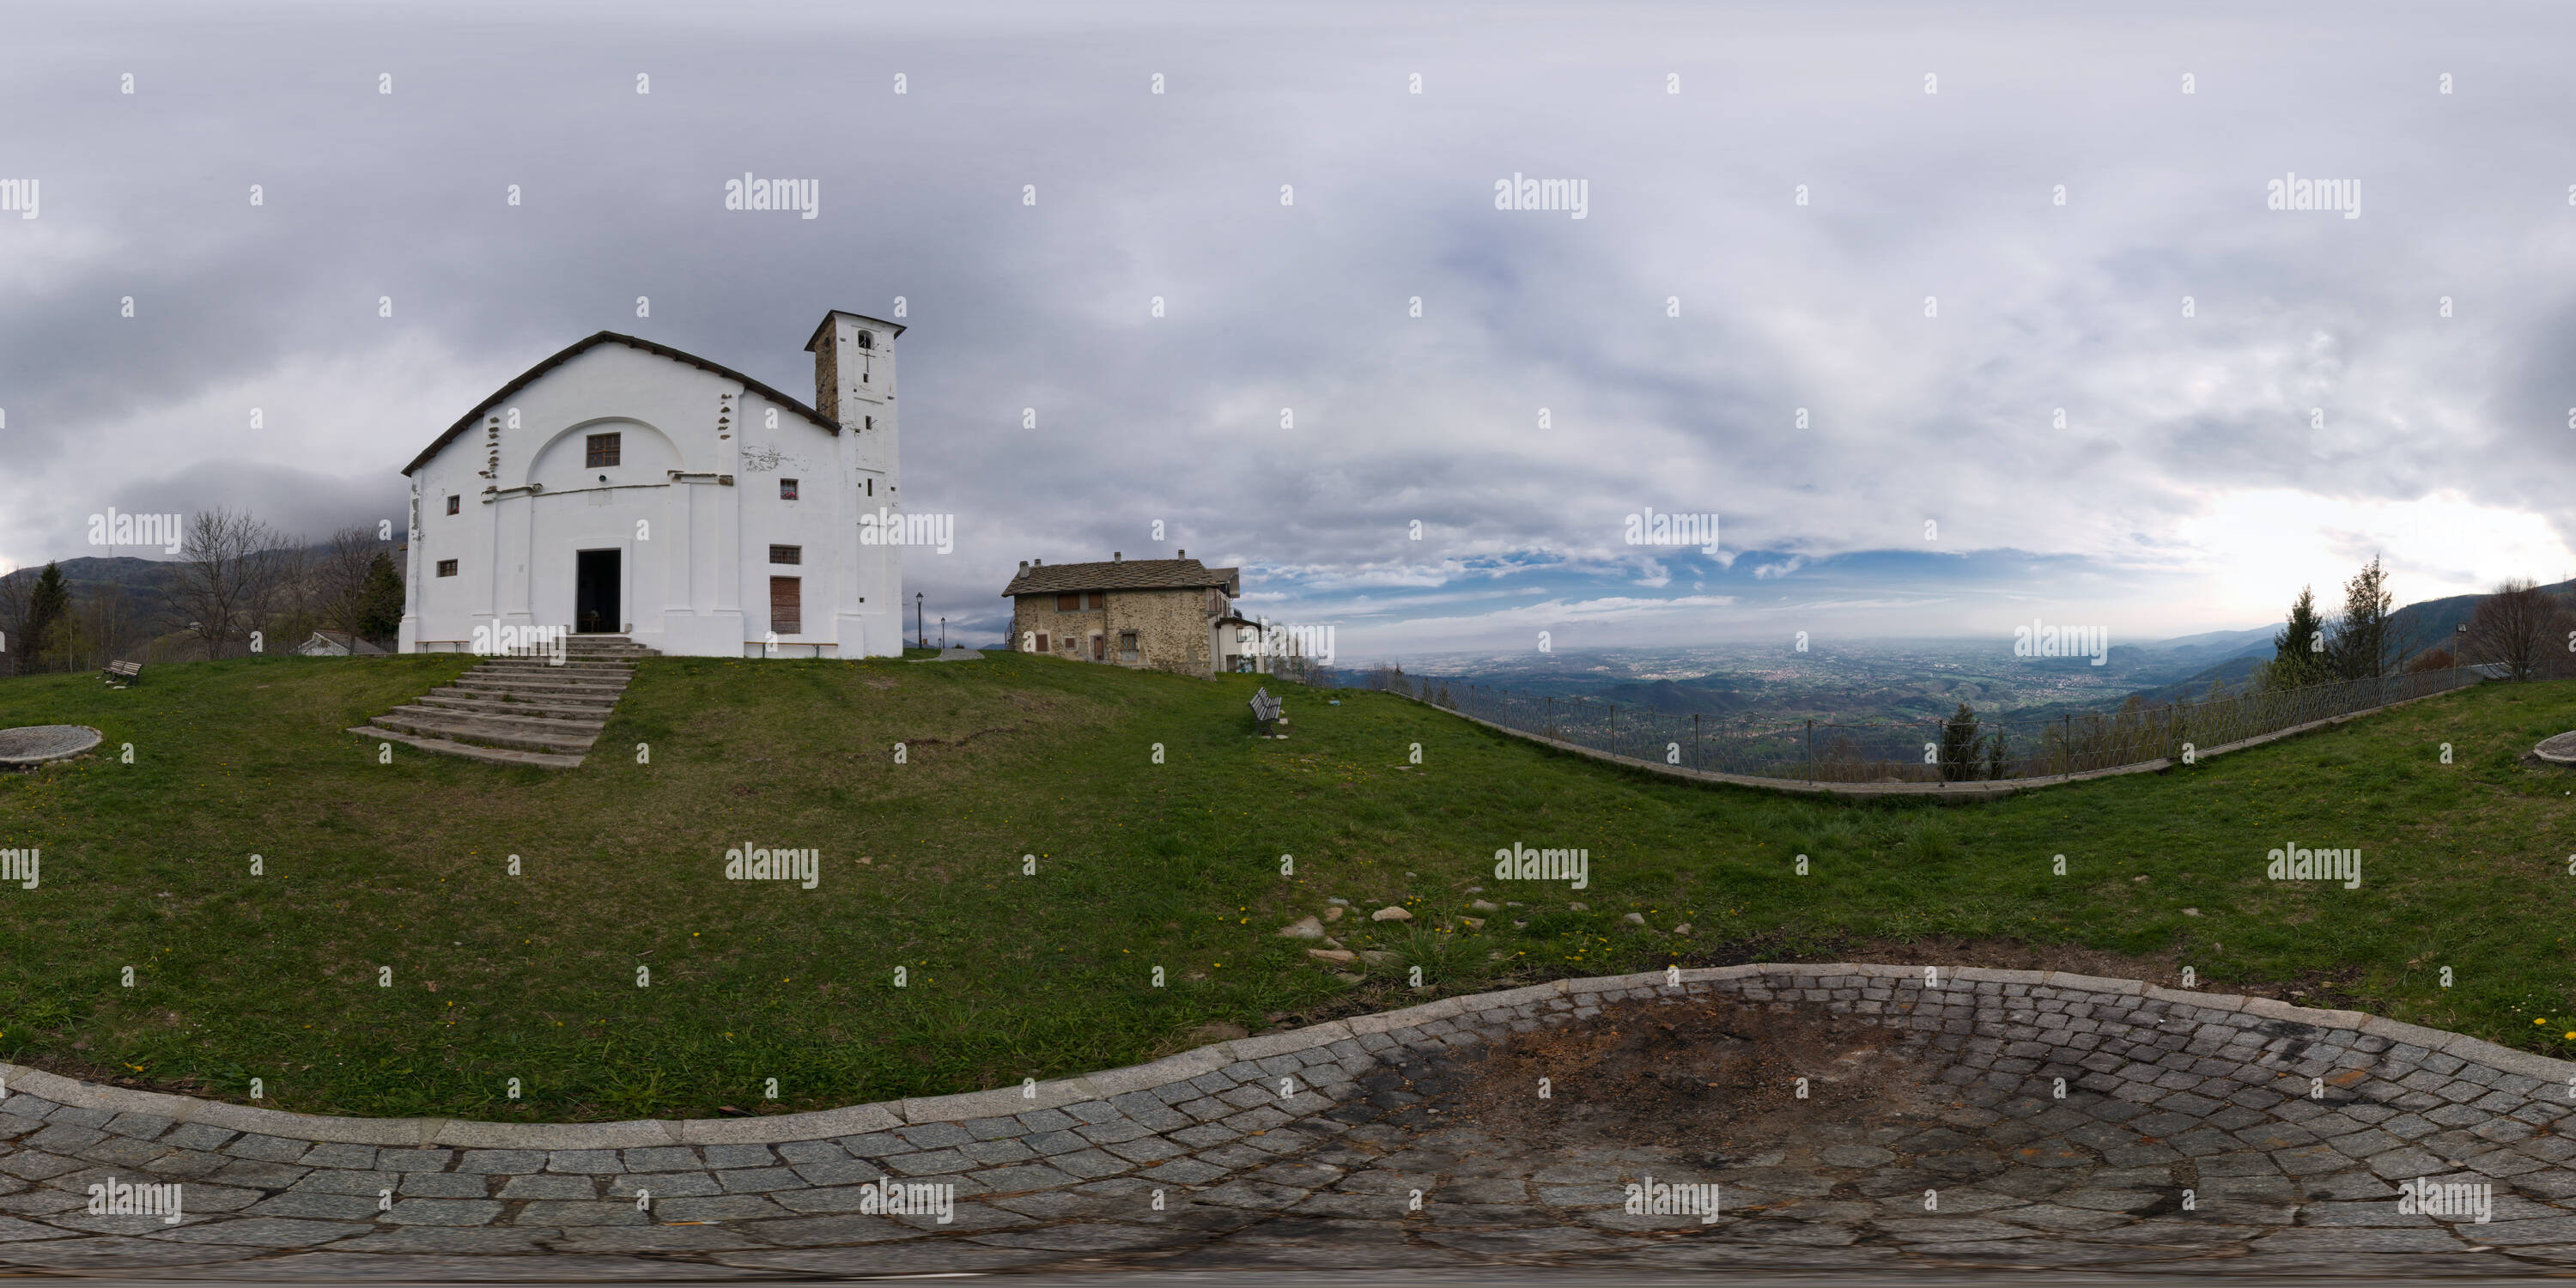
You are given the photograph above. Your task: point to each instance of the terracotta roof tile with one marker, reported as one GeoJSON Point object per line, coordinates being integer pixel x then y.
{"type": "Point", "coordinates": [1123, 574]}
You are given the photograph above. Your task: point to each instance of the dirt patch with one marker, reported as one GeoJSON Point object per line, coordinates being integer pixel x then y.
{"type": "Point", "coordinates": [1715, 1077]}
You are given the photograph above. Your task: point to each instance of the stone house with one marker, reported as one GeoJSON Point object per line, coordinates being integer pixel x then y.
{"type": "Point", "coordinates": [1161, 614]}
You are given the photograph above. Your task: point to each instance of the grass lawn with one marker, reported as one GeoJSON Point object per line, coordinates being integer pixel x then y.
{"type": "Point", "coordinates": [1139, 865]}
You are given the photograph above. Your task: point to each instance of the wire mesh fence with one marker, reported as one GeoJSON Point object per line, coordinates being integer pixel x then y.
{"type": "Point", "coordinates": [1919, 751]}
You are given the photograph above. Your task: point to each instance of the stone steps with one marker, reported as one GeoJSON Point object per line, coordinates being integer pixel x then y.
{"type": "Point", "coordinates": [520, 710]}
{"type": "Point", "coordinates": [487, 701]}
{"type": "Point", "coordinates": [569, 666]}
{"type": "Point", "coordinates": [469, 751]}
{"type": "Point", "coordinates": [539, 681]}
{"type": "Point", "coordinates": [558, 737]}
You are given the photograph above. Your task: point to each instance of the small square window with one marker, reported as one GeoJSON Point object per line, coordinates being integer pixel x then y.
{"type": "Point", "coordinates": [604, 450]}
{"type": "Point", "coordinates": [786, 489]}
{"type": "Point", "coordinates": [787, 554]}
{"type": "Point", "coordinates": [446, 567]}
{"type": "Point", "coordinates": [453, 502]}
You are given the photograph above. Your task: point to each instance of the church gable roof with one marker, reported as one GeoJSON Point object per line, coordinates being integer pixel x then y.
{"type": "Point", "coordinates": [529, 377]}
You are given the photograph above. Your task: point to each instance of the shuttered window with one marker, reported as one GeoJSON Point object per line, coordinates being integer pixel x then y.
{"type": "Point", "coordinates": [787, 605]}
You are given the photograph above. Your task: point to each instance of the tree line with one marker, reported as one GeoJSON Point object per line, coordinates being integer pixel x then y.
{"type": "Point", "coordinates": [2519, 626]}
{"type": "Point", "coordinates": [236, 576]}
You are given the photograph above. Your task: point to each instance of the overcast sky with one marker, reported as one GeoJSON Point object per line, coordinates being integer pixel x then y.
{"type": "Point", "coordinates": [2315, 408]}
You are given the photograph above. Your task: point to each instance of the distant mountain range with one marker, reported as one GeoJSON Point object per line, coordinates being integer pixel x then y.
{"type": "Point", "coordinates": [1880, 680]}
{"type": "Point", "coordinates": [2230, 657]}
{"type": "Point", "coordinates": [122, 572]}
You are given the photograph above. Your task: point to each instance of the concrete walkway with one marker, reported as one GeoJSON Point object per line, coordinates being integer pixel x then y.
{"type": "Point", "coordinates": [2197, 1133]}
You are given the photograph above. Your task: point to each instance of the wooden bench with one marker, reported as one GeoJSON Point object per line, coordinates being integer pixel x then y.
{"type": "Point", "coordinates": [122, 674]}
{"type": "Point", "coordinates": [1265, 709]}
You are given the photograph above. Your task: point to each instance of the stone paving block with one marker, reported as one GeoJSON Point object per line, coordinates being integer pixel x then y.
{"type": "Point", "coordinates": [1055, 1142]}
{"type": "Point", "coordinates": [2407, 1163]}
{"type": "Point", "coordinates": [257, 1175]}
{"type": "Point", "coordinates": [580, 1214]}
{"type": "Point", "coordinates": [997, 1152]}
{"type": "Point", "coordinates": [727, 1207]}
{"type": "Point", "coordinates": [1089, 1163]}
{"type": "Point", "coordinates": [979, 1128]}
{"type": "Point", "coordinates": [501, 1160]}
{"type": "Point", "coordinates": [442, 1212]}
{"type": "Point", "coordinates": [664, 1185]}
{"type": "Point", "coordinates": [759, 1180]}
{"type": "Point", "coordinates": [931, 1163]}
{"type": "Point", "coordinates": [1045, 1120]}
{"type": "Point", "coordinates": [320, 1207]}
{"type": "Point", "coordinates": [1101, 1111]}
{"type": "Point", "coordinates": [65, 1138]}
{"type": "Point", "coordinates": [549, 1186]}
{"type": "Point", "coordinates": [1008, 1180]}
{"type": "Point", "coordinates": [930, 1136]}
{"type": "Point", "coordinates": [600, 1161]}
{"type": "Point", "coordinates": [340, 1181]}
{"type": "Point", "coordinates": [1204, 1135]}
{"type": "Point", "coordinates": [727, 1157]}
{"type": "Point", "coordinates": [444, 1185]}
{"type": "Point", "coordinates": [138, 1126]}
{"type": "Point", "coordinates": [1111, 1133]}
{"type": "Point", "coordinates": [848, 1171]}
{"type": "Point", "coordinates": [676, 1158]}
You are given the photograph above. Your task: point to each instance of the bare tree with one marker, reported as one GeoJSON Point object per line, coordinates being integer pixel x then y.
{"type": "Point", "coordinates": [232, 570]}
{"type": "Point", "coordinates": [2519, 626]}
{"type": "Point", "coordinates": [340, 579]}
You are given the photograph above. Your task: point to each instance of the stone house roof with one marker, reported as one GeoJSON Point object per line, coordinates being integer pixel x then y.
{"type": "Point", "coordinates": [1123, 574]}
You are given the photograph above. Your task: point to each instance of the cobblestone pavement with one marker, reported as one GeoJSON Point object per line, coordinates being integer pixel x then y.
{"type": "Point", "coordinates": [2199, 1134]}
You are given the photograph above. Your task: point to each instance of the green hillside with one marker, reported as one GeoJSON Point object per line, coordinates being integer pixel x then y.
{"type": "Point", "coordinates": [1139, 865]}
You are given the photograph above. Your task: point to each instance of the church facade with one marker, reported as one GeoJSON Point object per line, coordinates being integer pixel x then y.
{"type": "Point", "coordinates": [622, 487]}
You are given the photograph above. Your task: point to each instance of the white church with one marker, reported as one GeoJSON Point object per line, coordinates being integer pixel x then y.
{"type": "Point", "coordinates": [625, 488]}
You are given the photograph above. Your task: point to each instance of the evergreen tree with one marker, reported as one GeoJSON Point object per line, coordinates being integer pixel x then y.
{"type": "Point", "coordinates": [2298, 655]}
{"type": "Point", "coordinates": [381, 603]}
{"type": "Point", "coordinates": [1959, 746]}
{"type": "Point", "coordinates": [2359, 647]}
{"type": "Point", "coordinates": [48, 611]}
